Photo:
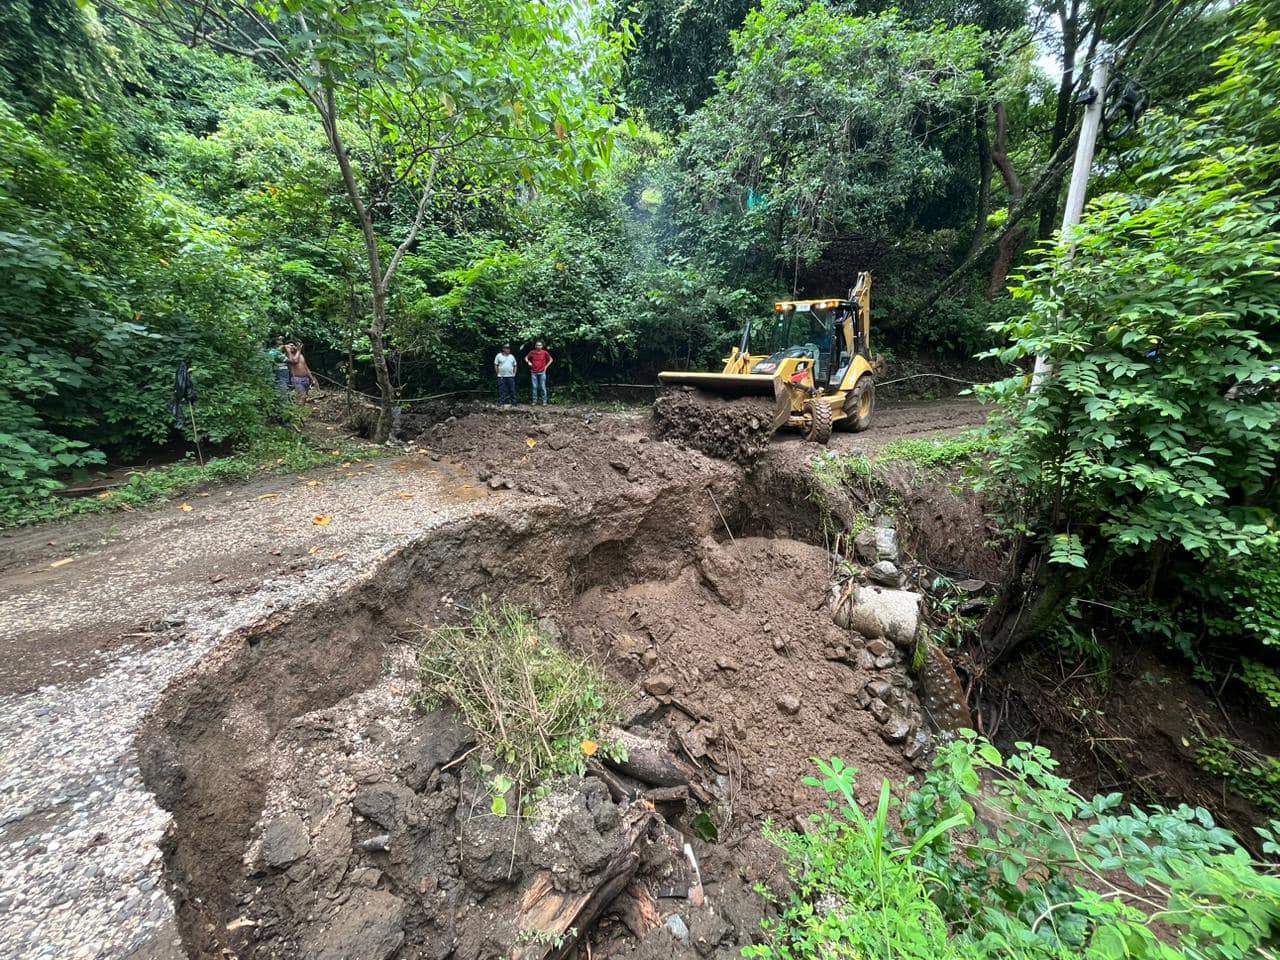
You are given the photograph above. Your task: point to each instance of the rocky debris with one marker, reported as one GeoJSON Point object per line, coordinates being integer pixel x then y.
{"type": "Point", "coordinates": [677, 927]}
{"type": "Point", "coordinates": [885, 574]}
{"type": "Point", "coordinates": [658, 685]}
{"type": "Point", "coordinates": [878, 612]}
{"type": "Point", "coordinates": [864, 547]}
{"type": "Point", "coordinates": [789, 704]}
{"type": "Point", "coordinates": [500, 483]}
{"type": "Point", "coordinates": [385, 804]}
{"type": "Point", "coordinates": [559, 441]}
{"type": "Point", "coordinates": [720, 573]}
{"type": "Point", "coordinates": [889, 697]}
{"type": "Point", "coordinates": [895, 729]}
{"type": "Point", "coordinates": [284, 840]}
{"type": "Point", "coordinates": [368, 925]}
{"type": "Point", "coordinates": [441, 738]}
{"type": "Point", "coordinates": [886, 540]}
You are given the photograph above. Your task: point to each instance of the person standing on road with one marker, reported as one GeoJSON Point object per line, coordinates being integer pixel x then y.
{"type": "Point", "coordinates": [504, 365]}
{"type": "Point", "coordinates": [299, 372]}
{"type": "Point", "coordinates": [538, 360]}
{"type": "Point", "coordinates": [280, 367]}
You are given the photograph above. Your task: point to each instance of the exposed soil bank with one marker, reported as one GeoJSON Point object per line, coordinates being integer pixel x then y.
{"type": "Point", "coordinates": [317, 814]}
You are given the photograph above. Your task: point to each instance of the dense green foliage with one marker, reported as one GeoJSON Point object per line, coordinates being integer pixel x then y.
{"type": "Point", "coordinates": [999, 857]}
{"type": "Point", "coordinates": [1161, 322]}
{"type": "Point", "coordinates": [1158, 431]}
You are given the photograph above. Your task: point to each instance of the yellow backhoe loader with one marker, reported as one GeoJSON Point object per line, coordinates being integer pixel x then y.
{"type": "Point", "coordinates": [810, 369]}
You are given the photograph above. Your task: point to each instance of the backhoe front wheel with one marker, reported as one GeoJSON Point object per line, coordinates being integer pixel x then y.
{"type": "Point", "coordinates": [860, 405]}
{"type": "Point", "coordinates": [819, 430]}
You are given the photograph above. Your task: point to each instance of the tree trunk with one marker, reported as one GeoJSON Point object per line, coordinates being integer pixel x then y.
{"type": "Point", "coordinates": [1011, 239]}
{"type": "Point", "coordinates": [1057, 164]}
{"type": "Point", "coordinates": [982, 147]}
{"type": "Point", "coordinates": [377, 329]}
{"type": "Point", "coordinates": [1031, 599]}
{"type": "Point", "coordinates": [1010, 242]}
{"type": "Point", "coordinates": [1069, 17]}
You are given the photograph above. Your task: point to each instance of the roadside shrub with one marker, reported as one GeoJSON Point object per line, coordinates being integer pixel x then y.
{"type": "Point", "coordinates": [1245, 773]}
{"type": "Point", "coordinates": [536, 708]}
{"type": "Point", "coordinates": [999, 857]}
{"type": "Point", "coordinates": [279, 450]}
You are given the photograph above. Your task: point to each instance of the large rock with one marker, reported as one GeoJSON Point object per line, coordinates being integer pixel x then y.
{"type": "Point", "coordinates": [386, 804]}
{"type": "Point", "coordinates": [369, 926]}
{"type": "Point", "coordinates": [891, 614]}
{"type": "Point", "coordinates": [887, 544]}
{"type": "Point", "coordinates": [284, 840]}
{"type": "Point", "coordinates": [864, 546]}
{"type": "Point", "coordinates": [885, 574]}
{"type": "Point", "coordinates": [720, 571]}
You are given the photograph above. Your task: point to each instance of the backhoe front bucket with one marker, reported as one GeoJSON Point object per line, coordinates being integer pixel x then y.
{"type": "Point", "coordinates": [726, 415]}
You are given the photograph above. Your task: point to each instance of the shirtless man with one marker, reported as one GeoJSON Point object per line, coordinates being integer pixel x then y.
{"type": "Point", "coordinates": [299, 372]}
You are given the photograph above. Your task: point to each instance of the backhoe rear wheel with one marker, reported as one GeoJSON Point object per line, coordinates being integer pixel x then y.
{"type": "Point", "coordinates": [819, 430]}
{"type": "Point", "coordinates": [860, 405]}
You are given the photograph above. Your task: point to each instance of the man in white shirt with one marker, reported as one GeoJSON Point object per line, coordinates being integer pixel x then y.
{"type": "Point", "coordinates": [504, 365]}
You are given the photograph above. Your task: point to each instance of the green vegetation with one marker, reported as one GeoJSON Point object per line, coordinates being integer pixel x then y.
{"type": "Point", "coordinates": [1247, 774]}
{"type": "Point", "coordinates": [1261, 679]}
{"type": "Point", "coordinates": [997, 856]}
{"type": "Point", "coordinates": [628, 183]}
{"type": "Point", "coordinates": [537, 709]}
{"type": "Point", "coordinates": [1158, 432]}
{"type": "Point", "coordinates": [935, 453]}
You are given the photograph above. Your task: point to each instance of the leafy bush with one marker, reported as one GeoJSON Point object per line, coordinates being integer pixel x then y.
{"type": "Point", "coordinates": [1261, 679]}
{"type": "Point", "coordinates": [998, 857]}
{"type": "Point", "coordinates": [1159, 326]}
{"type": "Point", "coordinates": [1254, 777]}
{"type": "Point", "coordinates": [535, 707]}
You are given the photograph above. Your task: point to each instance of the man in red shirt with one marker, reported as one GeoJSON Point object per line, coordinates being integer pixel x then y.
{"type": "Point", "coordinates": [538, 360]}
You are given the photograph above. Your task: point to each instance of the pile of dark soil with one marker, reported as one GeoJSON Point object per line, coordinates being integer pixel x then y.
{"type": "Point", "coordinates": [736, 429]}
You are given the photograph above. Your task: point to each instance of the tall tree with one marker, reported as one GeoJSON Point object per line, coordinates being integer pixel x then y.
{"type": "Point", "coordinates": [826, 125]}
{"type": "Point", "coordinates": [424, 103]}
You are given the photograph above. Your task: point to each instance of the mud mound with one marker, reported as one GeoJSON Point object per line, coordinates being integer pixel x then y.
{"type": "Point", "coordinates": [577, 457]}
{"type": "Point", "coordinates": [736, 429]}
{"type": "Point", "coordinates": [739, 652]}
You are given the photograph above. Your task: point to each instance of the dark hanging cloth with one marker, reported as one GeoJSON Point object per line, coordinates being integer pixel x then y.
{"type": "Point", "coordinates": [184, 392]}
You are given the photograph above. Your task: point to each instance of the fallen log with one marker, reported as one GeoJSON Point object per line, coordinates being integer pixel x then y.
{"type": "Point", "coordinates": [647, 761]}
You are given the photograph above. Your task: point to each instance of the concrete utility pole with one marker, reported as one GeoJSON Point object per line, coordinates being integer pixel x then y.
{"type": "Point", "coordinates": [1089, 127]}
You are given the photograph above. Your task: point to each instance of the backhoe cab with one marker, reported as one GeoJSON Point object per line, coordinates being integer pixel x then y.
{"type": "Point", "coordinates": [812, 363]}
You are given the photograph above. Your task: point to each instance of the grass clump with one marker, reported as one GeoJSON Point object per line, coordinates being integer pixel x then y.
{"type": "Point", "coordinates": [275, 451]}
{"type": "Point", "coordinates": [936, 452]}
{"type": "Point", "coordinates": [538, 709]}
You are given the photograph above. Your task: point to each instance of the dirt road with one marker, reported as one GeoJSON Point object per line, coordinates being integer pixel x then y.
{"type": "Point", "coordinates": [98, 617]}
